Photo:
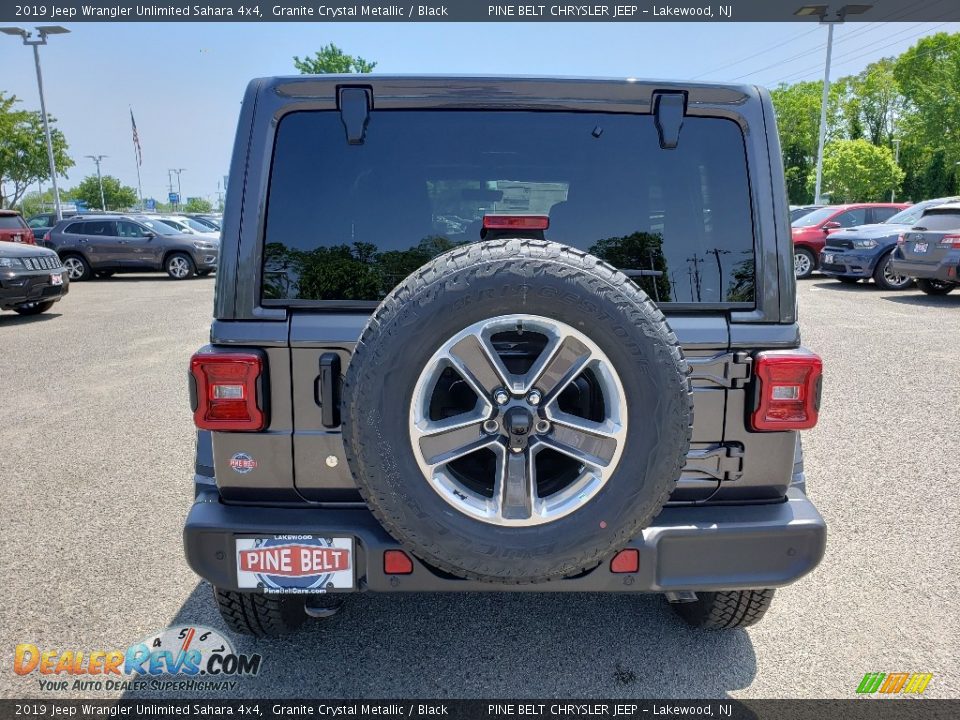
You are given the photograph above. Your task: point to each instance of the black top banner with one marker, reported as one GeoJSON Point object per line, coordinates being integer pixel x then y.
{"type": "Point", "coordinates": [70, 11]}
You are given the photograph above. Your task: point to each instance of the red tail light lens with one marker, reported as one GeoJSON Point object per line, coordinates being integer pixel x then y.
{"type": "Point", "coordinates": [901, 239]}
{"type": "Point", "coordinates": [227, 393]}
{"type": "Point", "coordinates": [787, 390]}
{"type": "Point", "coordinates": [626, 561]}
{"type": "Point", "coordinates": [397, 562]}
{"type": "Point", "coordinates": [516, 222]}
{"type": "Point", "coordinates": [950, 241]}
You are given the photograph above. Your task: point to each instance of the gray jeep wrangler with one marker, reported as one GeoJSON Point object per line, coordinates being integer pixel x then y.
{"type": "Point", "coordinates": [502, 334]}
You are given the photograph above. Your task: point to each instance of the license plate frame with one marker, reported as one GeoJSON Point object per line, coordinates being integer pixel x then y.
{"type": "Point", "coordinates": [920, 247]}
{"type": "Point", "coordinates": [295, 564]}
{"type": "Point", "coordinates": [56, 279]}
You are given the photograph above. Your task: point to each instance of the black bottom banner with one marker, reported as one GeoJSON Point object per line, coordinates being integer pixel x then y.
{"type": "Point", "coordinates": [484, 709]}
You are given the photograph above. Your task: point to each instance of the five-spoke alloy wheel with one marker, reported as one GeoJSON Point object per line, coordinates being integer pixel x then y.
{"type": "Point", "coordinates": [517, 415]}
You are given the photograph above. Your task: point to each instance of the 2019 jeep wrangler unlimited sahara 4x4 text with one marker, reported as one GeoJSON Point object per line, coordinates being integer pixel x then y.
{"type": "Point", "coordinates": [503, 334]}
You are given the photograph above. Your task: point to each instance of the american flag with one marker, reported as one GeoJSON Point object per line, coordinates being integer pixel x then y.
{"type": "Point", "coordinates": [136, 139]}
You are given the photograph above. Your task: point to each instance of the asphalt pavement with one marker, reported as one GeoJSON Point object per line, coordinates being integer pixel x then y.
{"type": "Point", "coordinates": [96, 445]}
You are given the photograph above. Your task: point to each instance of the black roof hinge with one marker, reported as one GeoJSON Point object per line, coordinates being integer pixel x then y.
{"type": "Point", "coordinates": [668, 111]}
{"type": "Point", "coordinates": [355, 104]}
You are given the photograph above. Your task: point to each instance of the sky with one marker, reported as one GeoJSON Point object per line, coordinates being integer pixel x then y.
{"type": "Point", "coordinates": [185, 81]}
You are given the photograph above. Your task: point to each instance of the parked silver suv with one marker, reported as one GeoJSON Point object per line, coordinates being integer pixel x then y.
{"type": "Point", "coordinates": [106, 244]}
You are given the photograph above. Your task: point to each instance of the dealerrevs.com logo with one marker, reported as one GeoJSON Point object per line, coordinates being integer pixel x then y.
{"type": "Point", "coordinates": [180, 658]}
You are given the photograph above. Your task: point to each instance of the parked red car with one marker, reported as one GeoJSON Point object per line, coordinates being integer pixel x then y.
{"type": "Point", "coordinates": [14, 229]}
{"type": "Point", "coordinates": [810, 231]}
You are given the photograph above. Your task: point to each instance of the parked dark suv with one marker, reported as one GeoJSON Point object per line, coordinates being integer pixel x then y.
{"type": "Point", "coordinates": [108, 244]}
{"type": "Point", "coordinates": [503, 334]}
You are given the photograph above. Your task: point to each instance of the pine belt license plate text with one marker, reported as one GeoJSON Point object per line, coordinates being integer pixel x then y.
{"type": "Point", "coordinates": [920, 247]}
{"type": "Point", "coordinates": [295, 563]}
{"type": "Point", "coordinates": [56, 280]}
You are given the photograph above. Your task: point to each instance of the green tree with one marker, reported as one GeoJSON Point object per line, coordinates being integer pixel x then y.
{"type": "Point", "coordinates": [197, 205]}
{"type": "Point", "coordinates": [331, 59]}
{"type": "Point", "coordinates": [928, 75]}
{"type": "Point", "coordinates": [871, 103]}
{"type": "Point", "coordinates": [23, 150]}
{"type": "Point", "coordinates": [798, 120]}
{"type": "Point", "coordinates": [117, 195]}
{"type": "Point", "coordinates": [858, 171]}
{"type": "Point", "coordinates": [33, 202]}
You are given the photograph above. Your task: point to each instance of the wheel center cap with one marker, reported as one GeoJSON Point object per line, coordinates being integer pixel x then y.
{"type": "Point", "coordinates": [518, 421]}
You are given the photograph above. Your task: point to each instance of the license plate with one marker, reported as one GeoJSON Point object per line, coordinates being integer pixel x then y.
{"type": "Point", "coordinates": [828, 259]}
{"type": "Point", "coordinates": [920, 247]}
{"type": "Point", "coordinates": [295, 563]}
{"type": "Point", "coordinates": [18, 238]}
{"type": "Point", "coordinates": [56, 280]}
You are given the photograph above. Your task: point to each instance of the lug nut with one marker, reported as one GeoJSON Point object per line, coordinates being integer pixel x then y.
{"type": "Point", "coordinates": [542, 426]}
{"type": "Point", "coordinates": [491, 426]}
{"type": "Point", "coordinates": [501, 397]}
{"type": "Point", "coordinates": [534, 397]}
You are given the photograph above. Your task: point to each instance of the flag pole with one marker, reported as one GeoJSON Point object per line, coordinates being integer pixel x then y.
{"type": "Point", "coordinates": [136, 156]}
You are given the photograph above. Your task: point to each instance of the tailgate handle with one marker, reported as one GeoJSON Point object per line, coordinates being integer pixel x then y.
{"type": "Point", "coordinates": [668, 111]}
{"type": "Point", "coordinates": [326, 390]}
{"type": "Point", "coordinates": [354, 104]}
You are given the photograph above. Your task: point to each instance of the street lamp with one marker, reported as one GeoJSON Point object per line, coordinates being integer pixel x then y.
{"type": "Point", "coordinates": [97, 159]}
{"type": "Point", "coordinates": [822, 12]}
{"type": "Point", "coordinates": [896, 160]}
{"type": "Point", "coordinates": [42, 32]}
{"type": "Point", "coordinates": [179, 195]}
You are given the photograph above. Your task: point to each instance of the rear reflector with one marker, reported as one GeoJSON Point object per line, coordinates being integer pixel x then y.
{"type": "Point", "coordinates": [788, 390]}
{"type": "Point", "coordinates": [516, 222]}
{"type": "Point", "coordinates": [626, 561]}
{"type": "Point", "coordinates": [226, 391]}
{"type": "Point", "coordinates": [397, 562]}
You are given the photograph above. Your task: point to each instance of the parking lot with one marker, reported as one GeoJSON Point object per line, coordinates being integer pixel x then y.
{"type": "Point", "coordinates": [96, 464]}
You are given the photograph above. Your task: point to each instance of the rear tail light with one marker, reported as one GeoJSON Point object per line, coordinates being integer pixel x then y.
{"type": "Point", "coordinates": [950, 241]}
{"type": "Point", "coordinates": [397, 562]}
{"type": "Point", "coordinates": [901, 239]}
{"type": "Point", "coordinates": [626, 561]}
{"type": "Point", "coordinates": [516, 222]}
{"type": "Point", "coordinates": [787, 390]}
{"type": "Point", "coordinates": [226, 392]}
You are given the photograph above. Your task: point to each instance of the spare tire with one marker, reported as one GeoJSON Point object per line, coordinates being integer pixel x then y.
{"type": "Point", "coordinates": [515, 411]}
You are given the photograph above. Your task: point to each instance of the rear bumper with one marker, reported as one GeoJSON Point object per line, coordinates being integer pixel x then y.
{"type": "Point", "coordinates": [686, 548]}
{"type": "Point", "coordinates": [946, 269]}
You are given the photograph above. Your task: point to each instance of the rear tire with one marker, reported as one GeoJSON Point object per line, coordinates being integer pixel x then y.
{"type": "Point", "coordinates": [260, 615]}
{"type": "Point", "coordinates": [934, 287]}
{"type": "Point", "coordinates": [34, 308]}
{"type": "Point", "coordinates": [804, 263]}
{"type": "Point", "coordinates": [724, 610]}
{"type": "Point", "coordinates": [885, 278]}
{"type": "Point", "coordinates": [180, 266]}
{"type": "Point", "coordinates": [78, 268]}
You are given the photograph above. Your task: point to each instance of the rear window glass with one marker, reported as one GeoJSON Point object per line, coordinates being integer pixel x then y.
{"type": "Point", "coordinates": [11, 222]}
{"type": "Point", "coordinates": [940, 221]}
{"type": "Point", "coordinates": [350, 222]}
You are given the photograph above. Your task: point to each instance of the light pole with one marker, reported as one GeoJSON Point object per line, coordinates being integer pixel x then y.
{"type": "Point", "coordinates": [177, 171]}
{"type": "Point", "coordinates": [822, 11]}
{"type": "Point", "coordinates": [42, 32]}
{"type": "Point", "coordinates": [97, 159]}
{"type": "Point", "coordinates": [896, 161]}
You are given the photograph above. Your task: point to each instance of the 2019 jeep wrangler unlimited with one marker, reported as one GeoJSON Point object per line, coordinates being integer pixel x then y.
{"type": "Point", "coordinates": [503, 334]}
